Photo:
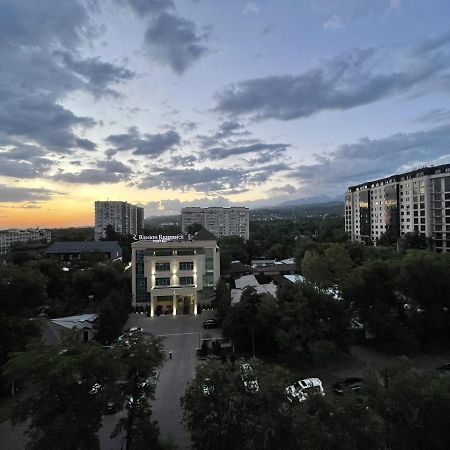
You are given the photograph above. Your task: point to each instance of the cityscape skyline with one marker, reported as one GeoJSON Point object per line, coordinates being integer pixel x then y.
{"type": "Point", "coordinates": [171, 104]}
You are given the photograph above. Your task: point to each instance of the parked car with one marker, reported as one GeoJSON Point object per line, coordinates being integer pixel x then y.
{"type": "Point", "coordinates": [248, 378]}
{"type": "Point", "coordinates": [133, 329]}
{"type": "Point", "coordinates": [445, 369]}
{"type": "Point", "coordinates": [352, 384]}
{"type": "Point", "coordinates": [302, 389]}
{"type": "Point", "coordinates": [210, 323]}
{"type": "Point", "coordinates": [208, 387]}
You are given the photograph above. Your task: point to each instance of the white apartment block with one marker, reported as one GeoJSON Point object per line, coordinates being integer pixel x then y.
{"type": "Point", "coordinates": [9, 237]}
{"type": "Point", "coordinates": [123, 216]}
{"type": "Point", "coordinates": [234, 221]}
{"type": "Point", "coordinates": [413, 201]}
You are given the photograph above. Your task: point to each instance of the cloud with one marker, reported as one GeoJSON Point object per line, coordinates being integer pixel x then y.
{"type": "Point", "coordinates": [9, 194]}
{"type": "Point", "coordinates": [146, 7]}
{"type": "Point", "coordinates": [210, 180]}
{"type": "Point", "coordinates": [369, 159]}
{"type": "Point", "coordinates": [219, 153]}
{"type": "Point", "coordinates": [97, 75]}
{"type": "Point", "coordinates": [226, 130]}
{"type": "Point", "coordinates": [184, 161]}
{"type": "Point", "coordinates": [114, 166]}
{"type": "Point", "coordinates": [434, 116]}
{"type": "Point", "coordinates": [174, 41]}
{"type": "Point", "coordinates": [251, 8]}
{"type": "Point", "coordinates": [173, 207]}
{"type": "Point", "coordinates": [149, 144]}
{"type": "Point", "coordinates": [41, 66]}
{"type": "Point", "coordinates": [335, 22]}
{"type": "Point", "coordinates": [344, 82]}
{"type": "Point", "coordinates": [90, 176]}
{"type": "Point", "coordinates": [24, 162]}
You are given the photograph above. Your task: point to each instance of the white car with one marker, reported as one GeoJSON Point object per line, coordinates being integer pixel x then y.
{"type": "Point", "coordinates": [302, 389]}
{"type": "Point", "coordinates": [248, 378]}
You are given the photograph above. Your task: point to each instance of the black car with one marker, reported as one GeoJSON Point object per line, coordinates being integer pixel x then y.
{"type": "Point", "coordinates": [353, 384]}
{"type": "Point", "coordinates": [210, 323]}
{"type": "Point", "coordinates": [445, 369]}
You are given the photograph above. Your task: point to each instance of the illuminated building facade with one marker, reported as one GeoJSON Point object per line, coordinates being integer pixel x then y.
{"type": "Point", "coordinates": [417, 201]}
{"type": "Point", "coordinates": [169, 275]}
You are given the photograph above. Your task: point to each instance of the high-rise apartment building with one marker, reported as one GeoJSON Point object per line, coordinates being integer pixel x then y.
{"type": "Point", "coordinates": [10, 237]}
{"type": "Point", "coordinates": [412, 201]}
{"type": "Point", "coordinates": [124, 217]}
{"type": "Point", "coordinates": [234, 221]}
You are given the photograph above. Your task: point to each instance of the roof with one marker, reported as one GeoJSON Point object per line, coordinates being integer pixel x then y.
{"type": "Point", "coordinates": [204, 235]}
{"type": "Point", "coordinates": [277, 268]}
{"type": "Point", "coordinates": [261, 289]}
{"type": "Point", "coordinates": [112, 247]}
{"type": "Point", "coordinates": [235, 267]}
{"type": "Point", "coordinates": [81, 321]}
{"type": "Point", "coordinates": [294, 278]}
{"type": "Point", "coordinates": [246, 280]}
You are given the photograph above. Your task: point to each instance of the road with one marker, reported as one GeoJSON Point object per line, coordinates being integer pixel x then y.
{"type": "Point", "coordinates": [181, 335]}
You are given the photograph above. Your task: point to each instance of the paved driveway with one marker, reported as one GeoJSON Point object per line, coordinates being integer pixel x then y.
{"type": "Point", "coordinates": [181, 335]}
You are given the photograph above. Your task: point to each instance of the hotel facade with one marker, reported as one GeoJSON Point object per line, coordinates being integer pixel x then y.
{"type": "Point", "coordinates": [416, 201]}
{"type": "Point", "coordinates": [234, 221]}
{"type": "Point", "coordinates": [169, 273]}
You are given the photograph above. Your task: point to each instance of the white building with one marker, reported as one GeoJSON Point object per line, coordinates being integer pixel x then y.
{"type": "Point", "coordinates": [234, 221]}
{"type": "Point", "coordinates": [9, 237]}
{"type": "Point", "coordinates": [123, 216]}
{"type": "Point", "coordinates": [169, 273]}
{"type": "Point", "coordinates": [413, 201]}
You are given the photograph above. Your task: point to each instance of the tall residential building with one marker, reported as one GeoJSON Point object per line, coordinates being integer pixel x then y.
{"type": "Point", "coordinates": [124, 217]}
{"type": "Point", "coordinates": [234, 221]}
{"type": "Point", "coordinates": [9, 237]}
{"type": "Point", "coordinates": [404, 203]}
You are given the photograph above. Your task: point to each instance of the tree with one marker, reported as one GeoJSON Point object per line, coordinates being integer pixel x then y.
{"type": "Point", "coordinates": [140, 356]}
{"type": "Point", "coordinates": [193, 228]}
{"type": "Point", "coordinates": [69, 382]}
{"type": "Point", "coordinates": [315, 269]}
{"type": "Point", "coordinates": [309, 316]}
{"type": "Point", "coordinates": [111, 234]}
{"type": "Point", "coordinates": [222, 300]}
{"type": "Point", "coordinates": [112, 315]}
{"type": "Point", "coordinates": [220, 414]}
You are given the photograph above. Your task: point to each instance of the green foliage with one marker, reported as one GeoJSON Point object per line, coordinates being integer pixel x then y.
{"type": "Point", "coordinates": [112, 315]}
{"type": "Point", "coordinates": [22, 289]}
{"type": "Point", "coordinates": [407, 411]}
{"type": "Point", "coordinates": [222, 301]}
{"type": "Point", "coordinates": [69, 382]}
{"type": "Point", "coordinates": [193, 228]}
{"type": "Point", "coordinates": [140, 355]}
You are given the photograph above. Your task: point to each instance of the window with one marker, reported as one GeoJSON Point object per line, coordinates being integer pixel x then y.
{"type": "Point", "coordinates": [162, 267]}
{"type": "Point", "coordinates": [186, 280]}
{"type": "Point", "coordinates": [187, 265]}
{"type": "Point", "coordinates": [162, 281]}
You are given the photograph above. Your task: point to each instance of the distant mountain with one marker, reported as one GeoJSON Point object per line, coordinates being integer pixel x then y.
{"type": "Point", "coordinates": [320, 199]}
{"type": "Point", "coordinates": [157, 221]}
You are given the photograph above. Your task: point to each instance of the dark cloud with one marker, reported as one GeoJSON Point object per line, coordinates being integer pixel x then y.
{"type": "Point", "coordinates": [226, 130]}
{"type": "Point", "coordinates": [209, 180]}
{"type": "Point", "coordinates": [145, 7]}
{"type": "Point", "coordinates": [148, 144]}
{"type": "Point", "coordinates": [39, 43]}
{"type": "Point", "coordinates": [24, 162]}
{"type": "Point", "coordinates": [375, 158]}
{"type": "Point", "coordinates": [23, 194]}
{"type": "Point", "coordinates": [434, 116]}
{"type": "Point", "coordinates": [96, 74]}
{"type": "Point", "coordinates": [90, 176]}
{"type": "Point", "coordinates": [174, 41]}
{"type": "Point", "coordinates": [218, 153]}
{"type": "Point", "coordinates": [345, 82]}
{"type": "Point", "coordinates": [85, 144]}
{"type": "Point", "coordinates": [184, 161]}
{"type": "Point", "coordinates": [114, 166]}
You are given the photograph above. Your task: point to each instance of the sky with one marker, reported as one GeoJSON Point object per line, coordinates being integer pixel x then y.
{"type": "Point", "coordinates": [171, 103]}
